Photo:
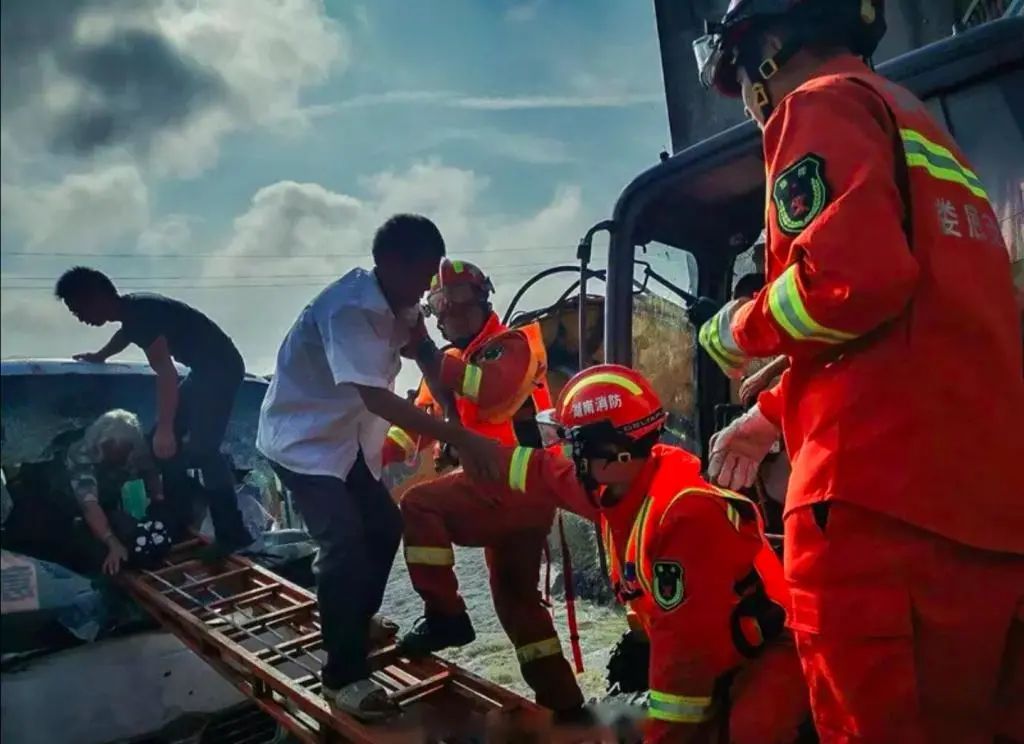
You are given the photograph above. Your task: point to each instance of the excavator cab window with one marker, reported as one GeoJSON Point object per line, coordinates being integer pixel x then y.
{"type": "Point", "coordinates": [664, 341]}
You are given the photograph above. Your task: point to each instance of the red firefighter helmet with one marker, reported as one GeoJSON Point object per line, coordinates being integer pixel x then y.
{"type": "Point", "coordinates": [610, 397]}
{"type": "Point", "coordinates": [729, 44]}
{"type": "Point", "coordinates": [457, 283]}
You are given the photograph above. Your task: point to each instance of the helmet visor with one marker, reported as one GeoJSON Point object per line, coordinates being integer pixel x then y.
{"type": "Point", "coordinates": [707, 50]}
{"type": "Point", "coordinates": [551, 431]}
{"type": "Point", "coordinates": [441, 299]}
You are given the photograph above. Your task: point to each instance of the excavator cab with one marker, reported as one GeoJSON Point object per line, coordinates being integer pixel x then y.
{"type": "Point", "coordinates": [698, 213]}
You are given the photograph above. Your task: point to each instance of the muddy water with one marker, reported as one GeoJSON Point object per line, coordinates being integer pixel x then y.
{"type": "Point", "coordinates": [492, 655]}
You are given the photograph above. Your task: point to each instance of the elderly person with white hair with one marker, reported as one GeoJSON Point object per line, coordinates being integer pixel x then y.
{"type": "Point", "coordinates": [112, 451]}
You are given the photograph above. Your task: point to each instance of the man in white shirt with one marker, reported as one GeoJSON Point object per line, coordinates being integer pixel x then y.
{"type": "Point", "coordinates": [323, 425]}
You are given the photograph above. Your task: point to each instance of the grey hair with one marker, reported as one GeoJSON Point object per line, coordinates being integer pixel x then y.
{"type": "Point", "coordinates": [114, 426]}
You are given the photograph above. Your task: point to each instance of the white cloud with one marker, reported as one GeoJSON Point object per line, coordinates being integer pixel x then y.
{"type": "Point", "coordinates": [300, 222]}
{"type": "Point", "coordinates": [164, 81]}
{"type": "Point", "coordinates": [623, 98]}
{"type": "Point", "coordinates": [521, 146]}
{"type": "Point", "coordinates": [82, 212]}
{"type": "Point", "coordinates": [170, 234]}
{"type": "Point", "coordinates": [516, 103]}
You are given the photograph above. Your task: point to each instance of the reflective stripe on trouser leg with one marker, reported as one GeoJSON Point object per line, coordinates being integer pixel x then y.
{"type": "Point", "coordinates": [426, 556]}
{"type": "Point", "coordinates": [518, 468]}
{"type": "Point", "coordinates": [539, 650]}
{"type": "Point", "coordinates": [678, 708]}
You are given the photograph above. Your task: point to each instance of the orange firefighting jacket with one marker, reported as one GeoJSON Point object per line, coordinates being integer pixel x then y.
{"type": "Point", "coordinates": [495, 375]}
{"type": "Point", "coordinates": [905, 393]}
{"type": "Point", "coordinates": [691, 561]}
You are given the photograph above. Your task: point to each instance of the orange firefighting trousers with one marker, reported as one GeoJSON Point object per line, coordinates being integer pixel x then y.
{"type": "Point", "coordinates": [768, 698]}
{"type": "Point", "coordinates": [453, 510]}
{"type": "Point", "coordinates": [905, 636]}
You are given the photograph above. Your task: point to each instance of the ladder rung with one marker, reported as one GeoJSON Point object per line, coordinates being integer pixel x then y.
{"type": "Point", "coordinates": [303, 642]}
{"type": "Point", "coordinates": [211, 579]}
{"type": "Point", "coordinates": [309, 681]}
{"type": "Point", "coordinates": [263, 620]}
{"type": "Point", "coordinates": [423, 687]}
{"type": "Point", "coordinates": [248, 596]}
{"type": "Point", "coordinates": [184, 566]}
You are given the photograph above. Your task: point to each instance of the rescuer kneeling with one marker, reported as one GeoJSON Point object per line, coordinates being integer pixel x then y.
{"type": "Point", "coordinates": [689, 560]}
{"type": "Point", "coordinates": [495, 373]}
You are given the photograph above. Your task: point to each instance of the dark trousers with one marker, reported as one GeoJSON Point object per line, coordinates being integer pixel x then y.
{"type": "Point", "coordinates": [205, 400]}
{"type": "Point", "coordinates": [357, 528]}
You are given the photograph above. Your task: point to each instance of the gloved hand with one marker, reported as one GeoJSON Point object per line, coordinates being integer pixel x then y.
{"type": "Point", "coordinates": [701, 311]}
{"type": "Point", "coordinates": [738, 449]}
{"type": "Point", "coordinates": [715, 337]}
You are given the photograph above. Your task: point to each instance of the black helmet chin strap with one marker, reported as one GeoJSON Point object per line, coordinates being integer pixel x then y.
{"type": "Point", "coordinates": [761, 69]}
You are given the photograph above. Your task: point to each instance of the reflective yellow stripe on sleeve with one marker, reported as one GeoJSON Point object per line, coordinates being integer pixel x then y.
{"type": "Point", "coordinates": [939, 162]}
{"type": "Point", "coordinates": [518, 467]}
{"type": "Point", "coordinates": [678, 708]}
{"type": "Point", "coordinates": [419, 556]}
{"type": "Point", "coordinates": [539, 650]}
{"type": "Point", "coordinates": [398, 435]}
{"type": "Point", "coordinates": [715, 336]}
{"type": "Point", "coordinates": [788, 309]}
{"type": "Point", "coordinates": [471, 381]}
{"type": "Point", "coordinates": [637, 545]}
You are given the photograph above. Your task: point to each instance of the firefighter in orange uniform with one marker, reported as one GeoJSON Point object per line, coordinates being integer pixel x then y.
{"type": "Point", "coordinates": [496, 372]}
{"type": "Point", "coordinates": [886, 269]}
{"type": "Point", "coordinates": [689, 560]}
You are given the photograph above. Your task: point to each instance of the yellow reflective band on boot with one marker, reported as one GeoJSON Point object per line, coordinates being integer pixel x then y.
{"type": "Point", "coordinates": [787, 307]}
{"type": "Point", "coordinates": [678, 708]}
{"type": "Point", "coordinates": [417, 556]}
{"type": "Point", "coordinates": [939, 162]}
{"type": "Point", "coordinates": [398, 436]}
{"type": "Point", "coordinates": [539, 650]}
{"type": "Point", "coordinates": [517, 468]}
{"type": "Point", "coordinates": [471, 381]}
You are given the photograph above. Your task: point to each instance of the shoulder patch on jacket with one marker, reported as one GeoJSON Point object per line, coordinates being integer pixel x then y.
{"type": "Point", "coordinates": [800, 194]}
{"type": "Point", "coordinates": [669, 587]}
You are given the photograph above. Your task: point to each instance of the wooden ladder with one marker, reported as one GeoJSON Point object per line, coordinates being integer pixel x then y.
{"type": "Point", "coordinates": [262, 633]}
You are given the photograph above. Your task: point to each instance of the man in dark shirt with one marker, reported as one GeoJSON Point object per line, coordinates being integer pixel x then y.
{"type": "Point", "coordinates": [191, 417]}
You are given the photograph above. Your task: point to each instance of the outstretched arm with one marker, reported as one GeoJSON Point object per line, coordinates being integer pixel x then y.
{"type": "Point", "coordinates": [117, 343]}
{"type": "Point", "coordinates": [477, 454]}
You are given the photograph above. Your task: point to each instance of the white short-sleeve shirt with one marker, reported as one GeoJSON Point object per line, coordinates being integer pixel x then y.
{"type": "Point", "coordinates": [313, 420]}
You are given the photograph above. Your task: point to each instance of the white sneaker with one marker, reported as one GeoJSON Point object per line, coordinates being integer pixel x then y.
{"type": "Point", "coordinates": [363, 699]}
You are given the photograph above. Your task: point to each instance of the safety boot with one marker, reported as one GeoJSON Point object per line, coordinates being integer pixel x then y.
{"type": "Point", "coordinates": [434, 632]}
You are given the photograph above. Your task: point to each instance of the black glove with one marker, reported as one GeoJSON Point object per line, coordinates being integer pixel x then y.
{"type": "Point", "coordinates": [628, 663]}
{"type": "Point", "coordinates": [702, 311]}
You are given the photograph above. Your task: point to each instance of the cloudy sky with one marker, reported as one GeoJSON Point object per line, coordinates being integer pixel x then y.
{"type": "Point", "coordinates": [238, 154]}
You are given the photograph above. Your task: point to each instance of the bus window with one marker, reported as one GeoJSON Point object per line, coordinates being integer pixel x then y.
{"type": "Point", "coordinates": [663, 339]}
{"type": "Point", "coordinates": [987, 121]}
